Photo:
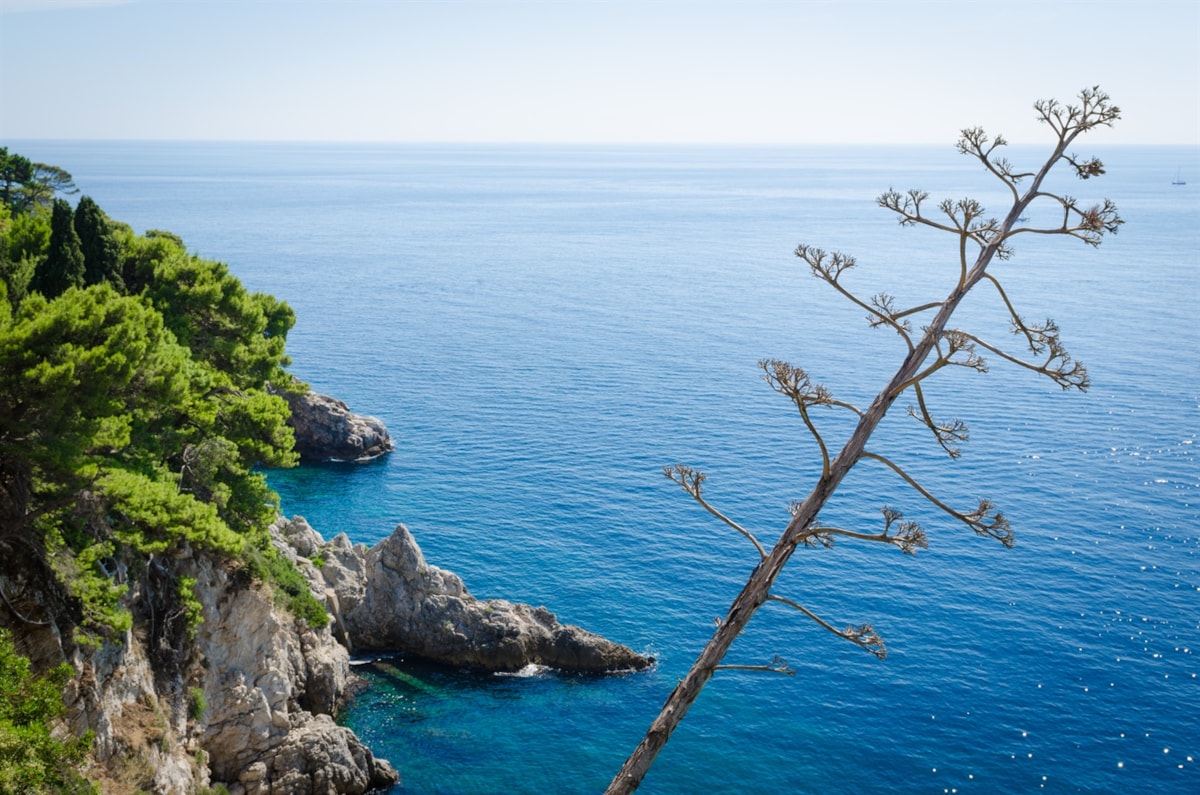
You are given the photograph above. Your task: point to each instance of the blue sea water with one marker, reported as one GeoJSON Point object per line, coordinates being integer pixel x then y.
{"type": "Point", "coordinates": [543, 328]}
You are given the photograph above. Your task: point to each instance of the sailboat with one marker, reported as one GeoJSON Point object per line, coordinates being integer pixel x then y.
{"type": "Point", "coordinates": [1178, 179]}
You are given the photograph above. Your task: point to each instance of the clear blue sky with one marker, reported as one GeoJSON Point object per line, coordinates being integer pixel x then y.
{"type": "Point", "coordinates": [785, 71]}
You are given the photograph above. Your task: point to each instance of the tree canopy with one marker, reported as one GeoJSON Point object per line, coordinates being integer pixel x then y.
{"type": "Point", "coordinates": [15, 172]}
{"type": "Point", "coordinates": [98, 243]}
{"type": "Point", "coordinates": [26, 186]}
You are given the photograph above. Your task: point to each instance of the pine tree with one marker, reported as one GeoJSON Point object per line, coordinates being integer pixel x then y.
{"type": "Point", "coordinates": [15, 171]}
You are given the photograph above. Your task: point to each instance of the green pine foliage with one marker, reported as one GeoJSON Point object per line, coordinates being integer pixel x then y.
{"type": "Point", "coordinates": [23, 240]}
{"type": "Point", "coordinates": [241, 334]}
{"type": "Point", "coordinates": [152, 516]}
{"type": "Point", "coordinates": [15, 173]}
{"type": "Point", "coordinates": [31, 760]}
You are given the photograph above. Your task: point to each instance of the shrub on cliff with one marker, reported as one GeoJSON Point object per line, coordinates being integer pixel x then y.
{"type": "Point", "coordinates": [31, 760]}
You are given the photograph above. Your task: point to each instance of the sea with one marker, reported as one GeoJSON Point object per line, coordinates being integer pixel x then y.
{"type": "Point", "coordinates": [544, 328]}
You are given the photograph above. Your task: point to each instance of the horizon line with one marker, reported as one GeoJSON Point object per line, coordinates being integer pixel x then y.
{"type": "Point", "coordinates": [530, 143]}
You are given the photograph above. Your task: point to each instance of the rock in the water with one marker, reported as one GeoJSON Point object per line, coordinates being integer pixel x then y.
{"type": "Point", "coordinates": [391, 600]}
{"type": "Point", "coordinates": [322, 757]}
{"type": "Point", "coordinates": [326, 429]}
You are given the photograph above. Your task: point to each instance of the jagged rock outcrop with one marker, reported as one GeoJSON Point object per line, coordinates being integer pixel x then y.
{"type": "Point", "coordinates": [326, 429]}
{"type": "Point", "coordinates": [388, 599]}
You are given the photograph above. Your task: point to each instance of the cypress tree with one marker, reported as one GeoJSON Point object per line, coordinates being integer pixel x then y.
{"type": "Point", "coordinates": [63, 266]}
{"type": "Point", "coordinates": [101, 252]}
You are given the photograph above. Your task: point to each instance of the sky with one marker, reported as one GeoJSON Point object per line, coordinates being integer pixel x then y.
{"type": "Point", "coordinates": [590, 71]}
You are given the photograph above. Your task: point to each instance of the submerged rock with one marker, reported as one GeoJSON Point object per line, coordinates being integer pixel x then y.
{"type": "Point", "coordinates": [326, 429]}
{"type": "Point", "coordinates": [388, 599]}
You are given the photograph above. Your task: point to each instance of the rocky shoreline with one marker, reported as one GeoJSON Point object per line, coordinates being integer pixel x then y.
{"type": "Point", "coordinates": [388, 599]}
{"type": "Point", "coordinates": [272, 686]}
{"type": "Point", "coordinates": [247, 699]}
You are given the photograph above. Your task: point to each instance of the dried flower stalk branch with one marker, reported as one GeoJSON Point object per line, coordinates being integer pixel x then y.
{"type": "Point", "coordinates": [981, 239]}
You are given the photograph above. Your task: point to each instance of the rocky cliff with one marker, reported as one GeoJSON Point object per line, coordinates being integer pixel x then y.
{"type": "Point", "coordinates": [245, 700]}
{"type": "Point", "coordinates": [216, 683]}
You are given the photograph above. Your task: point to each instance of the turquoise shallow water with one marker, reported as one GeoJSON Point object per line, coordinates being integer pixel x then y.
{"type": "Point", "coordinates": [542, 329]}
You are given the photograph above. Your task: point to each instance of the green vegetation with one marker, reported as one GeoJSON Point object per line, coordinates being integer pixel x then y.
{"type": "Point", "coordinates": [134, 414]}
{"type": "Point", "coordinates": [30, 759]}
{"type": "Point", "coordinates": [98, 244]}
{"type": "Point", "coordinates": [62, 267]}
{"type": "Point", "coordinates": [291, 589]}
{"type": "Point", "coordinates": [196, 703]}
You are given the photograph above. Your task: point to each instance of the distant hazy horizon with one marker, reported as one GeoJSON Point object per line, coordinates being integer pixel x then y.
{"type": "Point", "coordinates": [584, 72]}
